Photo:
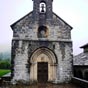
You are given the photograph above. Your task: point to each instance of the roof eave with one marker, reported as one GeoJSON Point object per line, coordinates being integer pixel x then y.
{"type": "Point", "coordinates": [63, 21]}
{"type": "Point", "coordinates": [86, 45]}
{"type": "Point", "coordinates": [19, 20]}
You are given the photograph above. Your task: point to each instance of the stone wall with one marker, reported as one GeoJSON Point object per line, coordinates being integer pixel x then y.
{"type": "Point", "coordinates": [26, 41]}
{"type": "Point", "coordinates": [27, 29]}
{"type": "Point", "coordinates": [24, 50]}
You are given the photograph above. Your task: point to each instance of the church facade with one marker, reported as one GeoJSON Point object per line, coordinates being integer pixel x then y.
{"type": "Point", "coordinates": [41, 46]}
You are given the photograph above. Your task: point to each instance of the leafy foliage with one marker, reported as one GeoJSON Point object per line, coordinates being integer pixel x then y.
{"type": "Point", "coordinates": [5, 60]}
{"type": "Point", "coordinates": [4, 64]}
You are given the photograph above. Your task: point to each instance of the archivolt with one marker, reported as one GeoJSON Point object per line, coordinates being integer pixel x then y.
{"type": "Point", "coordinates": [46, 51]}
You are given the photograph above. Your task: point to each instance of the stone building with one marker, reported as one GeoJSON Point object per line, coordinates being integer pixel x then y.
{"type": "Point", "coordinates": [80, 63]}
{"type": "Point", "coordinates": [41, 46]}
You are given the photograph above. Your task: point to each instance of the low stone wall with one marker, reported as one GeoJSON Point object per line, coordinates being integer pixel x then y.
{"type": "Point", "coordinates": [82, 83]}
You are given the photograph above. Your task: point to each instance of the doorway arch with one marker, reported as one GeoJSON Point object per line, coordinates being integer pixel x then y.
{"type": "Point", "coordinates": [43, 56]}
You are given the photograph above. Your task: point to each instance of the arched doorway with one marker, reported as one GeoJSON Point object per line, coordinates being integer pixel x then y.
{"type": "Point", "coordinates": [86, 75]}
{"type": "Point", "coordinates": [79, 74]}
{"type": "Point", "coordinates": [43, 65]}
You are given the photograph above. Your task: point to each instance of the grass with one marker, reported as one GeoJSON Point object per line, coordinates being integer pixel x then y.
{"type": "Point", "coordinates": [3, 72]}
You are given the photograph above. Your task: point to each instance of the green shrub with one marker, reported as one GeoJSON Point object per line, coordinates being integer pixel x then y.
{"type": "Point", "coordinates": [4, 64]}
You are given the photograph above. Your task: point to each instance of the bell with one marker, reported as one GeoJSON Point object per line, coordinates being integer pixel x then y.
{"type": "Point", "coordinates": [42, 8]}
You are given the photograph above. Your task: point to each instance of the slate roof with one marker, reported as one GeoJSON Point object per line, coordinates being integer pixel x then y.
{"type": "Point", "coordinates": [81, 59]}
{"type": "Point", "coordinates": [84, 46]}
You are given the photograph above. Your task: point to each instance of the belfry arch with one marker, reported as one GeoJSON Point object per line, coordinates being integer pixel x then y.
{"type": "Point", "coordinates": [43, 56]}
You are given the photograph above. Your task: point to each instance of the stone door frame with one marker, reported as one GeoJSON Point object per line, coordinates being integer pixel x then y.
{"type": "Point", "coordinates": [43, 55]}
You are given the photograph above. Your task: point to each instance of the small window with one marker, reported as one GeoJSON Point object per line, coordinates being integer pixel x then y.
{"type": "Point", "coordinates": [42, 32]}
{"type": "Point", "coordinates": [42, 7]}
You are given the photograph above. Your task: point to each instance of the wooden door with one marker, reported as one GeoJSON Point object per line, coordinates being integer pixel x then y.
{"type": "Point", "coordinates": [42, 71]}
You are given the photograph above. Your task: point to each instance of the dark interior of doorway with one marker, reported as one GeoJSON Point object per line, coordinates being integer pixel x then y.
{"type": "Point", "coordinates": [42, 72]}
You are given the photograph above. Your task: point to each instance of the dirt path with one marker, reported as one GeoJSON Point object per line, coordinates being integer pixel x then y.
{"type": "Point", "coordinates": [42, 86]}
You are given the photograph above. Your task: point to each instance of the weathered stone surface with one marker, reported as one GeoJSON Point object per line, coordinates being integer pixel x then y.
{"type": "Point", "coordinates": [54, 41]}
{"type": "Point", "coordinates": [25, 30]}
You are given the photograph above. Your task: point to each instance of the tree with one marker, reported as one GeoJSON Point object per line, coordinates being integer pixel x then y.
{"type": "Point", "coordinates": [5, 64]}
{"type": "Point", "coordinates": [1, 56]}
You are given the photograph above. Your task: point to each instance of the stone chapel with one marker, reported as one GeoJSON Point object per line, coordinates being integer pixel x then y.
{"type": "Point", "coordinates": [41, 46]}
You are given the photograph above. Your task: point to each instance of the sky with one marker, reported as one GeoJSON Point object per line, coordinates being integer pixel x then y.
{"type": "Point", "coordinates": [74, 12]}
